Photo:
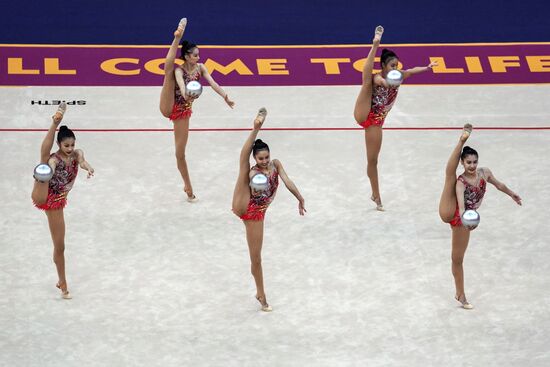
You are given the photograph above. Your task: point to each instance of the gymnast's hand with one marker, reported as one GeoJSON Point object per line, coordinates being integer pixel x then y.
{"type": "Point", "coordinates": [516, 198]}
{"type": "Point", "coordinates": [301, 207]}
{"type": "Point", "coordinates": [189, 98]}
{"type": "Point", "coordinates": [229, 102]}
{"type": "Point", "coordinates": [432, 64]}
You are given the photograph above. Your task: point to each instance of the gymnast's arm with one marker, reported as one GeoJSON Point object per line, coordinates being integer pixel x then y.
{"type": "Point", "coordinates": [83, 163]}
{"type": "Point", "coordinates": [52, 162]}
{"type": "Point", "coordinates": [460, 196]}
{"type": "Point", "coordinates": [419, 69]}
{"type": "Point", "coordinates": [501, 186]}
{"type": "Point", "coordinates": [178, 74]}
{"type": "Point", "coordinates": [290, 186]}
{"type": "Point", "coordinates": [377, 79]}
{"type": "Point", "coordinates": [215, 86]}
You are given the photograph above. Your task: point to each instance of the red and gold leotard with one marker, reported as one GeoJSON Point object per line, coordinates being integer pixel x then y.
{"type": "Point", "coordinates": [383, 99]}
{"type": "Point", "coordinates": [260, 200]}
{"type": "Point", "coordinates": [182, 108]}
{"type": "Point", "coordinates": [473, 195]}
{"type": "Point", "coordinates": [61, 183]}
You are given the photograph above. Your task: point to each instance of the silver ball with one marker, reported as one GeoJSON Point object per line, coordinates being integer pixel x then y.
{"type": "Point", "coordinates": [194, 88]}
{"type": "Point", "coordinates": [470, 218]}
{"type": "Point", "coordinates": [43, 172]}
{"type": "Point", "coordinates": [259, 182]}
{"type": "Point", "coordinates": [394, 78]}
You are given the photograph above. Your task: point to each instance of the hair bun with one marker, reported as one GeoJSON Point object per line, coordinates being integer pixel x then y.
{"type": "Point", "coordinates": [63, 133]}
{"type": "Point", "coordinates": [468, 151]}
{"type": "Point", "coordinates": [259, 145]}
{"type": "Point", "coordinates": [387, 55]}
{"type": "Point", "coordinates": [186, 47]}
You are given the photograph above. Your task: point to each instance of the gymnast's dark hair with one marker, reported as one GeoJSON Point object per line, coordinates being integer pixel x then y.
{"type": "Point", "coordinates": [64, 133]}
{"type": "Point", "coordinates": [387, 55]}
{"type": "Point", "coordinates": [258, 146]}
{"type": "Point", "coordinates": [468, 151]}
{"type": "Point", "coordinates": [186, 48]}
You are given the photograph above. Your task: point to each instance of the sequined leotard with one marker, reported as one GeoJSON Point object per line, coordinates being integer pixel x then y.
{"type": "Point", "coordinates": [260, 200]}
{"type": "Point", "coordinates": [473, 195]}
{"type": "Point", "coordinates": [182, 108]}
{"type": "Point", "coordinates": [383, 99]}
{"type": "Point", "coordinates": [61, 183]}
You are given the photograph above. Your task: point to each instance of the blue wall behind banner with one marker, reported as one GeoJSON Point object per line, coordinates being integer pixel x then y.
{"type": "Point", "coordinates": [265, 22]}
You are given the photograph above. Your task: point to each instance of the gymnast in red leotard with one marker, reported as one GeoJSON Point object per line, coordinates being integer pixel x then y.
{"type": "Point", "coordinates": [461, 194]}
{"type": "Point", "coordinates": [260, 200]}
{"type": "Point", "coordinates": [176, 104]}
{"type": "Point", "coordinates": [373, 104]}
{"type": "Point", "coordinates": [250, 205]}
{"type": "Point", "coordinates": [182, 104]}
{"type": "Point", "coordinates": [473, 193]}
{"type": "Point", "coordinates": [51, 196]}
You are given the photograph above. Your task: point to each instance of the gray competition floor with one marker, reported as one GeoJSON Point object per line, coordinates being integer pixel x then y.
{"type": "Point", "coordinates": [160, 282]}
